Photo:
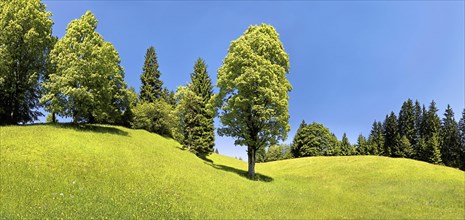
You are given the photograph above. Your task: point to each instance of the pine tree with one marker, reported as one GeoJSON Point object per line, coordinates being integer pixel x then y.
{"type": "Point", "coordinates": [151, 88]}
{"type": "Point", "coordinates": [407, 121]}
{"type": "Point", "coordinates": [195, 128]}
{"type": "Point", "coordinates": [298, 141]}
{"type": "Point", "coordinates": [406, 147]}
{"type": "Point", "coordinates": [450, 139]}
{"type": "Point", "coordinates": [461, 128]}
{"type": "Point", "coordinates": [346, 147]}
{"type": "Point", "coordinates": [391, 135]}
{"type": "Point", "coordinates": [362, 146]}
{"type": "Point", "coordinates": [418, 117]}
{"type": "Point", "coordinates": [431, 125]}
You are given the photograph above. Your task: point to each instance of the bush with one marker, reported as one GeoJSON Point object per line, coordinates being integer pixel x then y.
{"type": "Point", "coordinates": [154, 117]}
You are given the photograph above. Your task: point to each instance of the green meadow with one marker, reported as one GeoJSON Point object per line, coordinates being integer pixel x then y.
{"type": "Point", "coordinates": [99, 171]}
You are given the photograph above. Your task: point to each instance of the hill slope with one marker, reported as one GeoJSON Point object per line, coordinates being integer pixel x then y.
{"type": "Point", "coordinates": [104, 171]}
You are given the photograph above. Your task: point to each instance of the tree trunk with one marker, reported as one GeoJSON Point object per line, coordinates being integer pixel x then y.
{"type": "Point", "coordinates": [251, 155]}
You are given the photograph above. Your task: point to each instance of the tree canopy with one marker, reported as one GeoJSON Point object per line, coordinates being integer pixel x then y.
{"type": "Point", "coordinates": [253, 91]}
{"type": "Point", "coordinates": [25, 42]}
{"type": "Point", "coordinates": [87, 82]}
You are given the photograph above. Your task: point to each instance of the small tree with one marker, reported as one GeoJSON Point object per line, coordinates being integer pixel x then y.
{"type": "Point", "coordinates": [346, 148]}
{"type": "Point", "coordinates": [314, 140]}
{"type": "Point", "coordinates": [253, 96]}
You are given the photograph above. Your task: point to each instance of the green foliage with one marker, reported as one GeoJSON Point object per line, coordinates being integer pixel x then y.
{"type": "Point", "coordinates": [253, 91]}
{"type": "Point", "coordinates": [376, 139]}
{"type": "Point", "coordinates": [314, 140]}
{"type": "Point", "coordinates": [87, 82]}
{"type": "Point", "coordinates": [51, 118]}
{"type": "Point", "coordinates": [450, 140]}
{"type": "Point", "coordinates": [108, 172]}
{"type": "Point", "coordinates": [278, 152]}
{"type": "Point", "coordinates": [346, 148]}
{"type": "Point", "coordinates": [151, 88]}
{"type": "Point", "coordinates": [433, 149]}
{"type": "Point", "coordinates": [363, 147]}
{"type": "Point", "coordinates": [25, 41]}
{"type": "Point", "coordinates": [391, 136]}
{"type": "Point", "coordinates": [406, 147]}
{"type": "Point", "coordinates": [461, 128]}
{"type": "Point", "coordinates": [406, 121]}
{"type": "Point", "coordinates": [153, 117]}
{"type": "Point", "coordinates": [194, 113]}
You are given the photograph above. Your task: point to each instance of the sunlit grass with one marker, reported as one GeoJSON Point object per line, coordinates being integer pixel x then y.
{"type": "Point", "coordinates": [61, 171]}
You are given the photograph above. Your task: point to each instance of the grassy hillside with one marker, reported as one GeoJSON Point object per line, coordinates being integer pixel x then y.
{"type": "Point", "coordinates": [59, 171]}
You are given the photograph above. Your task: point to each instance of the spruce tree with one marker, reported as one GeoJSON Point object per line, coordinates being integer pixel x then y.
{"type": "Point", "coordinates": [298, 141]}
{"type": "Point", "coordinates": [151, 88]}
{"type": "Point", "coordinates": [362, 146]}
{"type": "Point", "coordinates": [407, 121]}
{"type": "Point", "coordinates": [461, 128]}
{"type": "Point", "coordinates": [418, 117]}
{"type": "Point", "coordinates": [406, 148]}
{"type": "Point", "coordinates": [450, 139]}
{"type": "Point", "coordinates": [195, 114]}
{"type": "Point", "coordinates": [346, 147]}
{"type": "Point", "coordinates": [391, 135]}
{"type": "Point", "coordinates": [430, 127]}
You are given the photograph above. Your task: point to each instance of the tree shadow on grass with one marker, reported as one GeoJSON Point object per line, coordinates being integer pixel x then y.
{"type": "Point", "coordinates": [243, 173]}
{"type": "Point", "coordinates": [92, 128]}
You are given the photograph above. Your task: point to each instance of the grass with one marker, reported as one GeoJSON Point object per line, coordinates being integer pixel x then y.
{"type": "Point", "coordinates": [62, 171]}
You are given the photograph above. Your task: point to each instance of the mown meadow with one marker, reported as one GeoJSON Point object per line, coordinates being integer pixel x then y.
{"type": "Point", "coordinates": [100, 171]}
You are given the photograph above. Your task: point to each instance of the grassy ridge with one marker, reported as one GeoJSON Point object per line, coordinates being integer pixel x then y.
{"type": "Point", "coordinates": [61, 171]}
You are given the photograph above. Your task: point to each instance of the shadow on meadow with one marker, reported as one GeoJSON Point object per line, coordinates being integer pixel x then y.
{"type": "Point", "coordinates": [92, 128]}
{"type": "Point", "coordinates": [243, 173]}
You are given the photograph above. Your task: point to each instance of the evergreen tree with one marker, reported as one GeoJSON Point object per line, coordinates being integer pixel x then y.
{"type": "Point", "coordinates": [346, 147]}
{"type": "Point", "coordinates": [433, 151]}
{"type": "Point", "coordinates": [450, 139]}
{"type": "Point", "coordinates": [88, 81]}
{"type": "Point", "coordinates": [376, 139]}
{"type": "Point", "coordinates": [407, 121]}
{"type": "Point", "coordinates": [406, 148]}
{"type": "Point", "coordinates": [25, 42]}
{"type": "Point", "coordinates": [418, 117]}
{"type": "Point", "coordinates": [196, 129]}
{"type": "Point", "coordinates": [151, 88]}
{"type": "Point", "coordinates": [391, 136]}
{"type": "Point", "coordinates": [362, 145]}
{"type": "Point", "coordinates": [461, 128]}
{"type": "Point", "coordinates": [298, 140]}
{"type": "Point", "coordinates": [430, 127]}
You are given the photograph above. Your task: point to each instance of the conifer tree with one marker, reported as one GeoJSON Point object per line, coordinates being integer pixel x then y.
{"type": "Point", "coordinates": [406, 148]}
{"type": "Point", "coordinates": [461, 129]}
{"type": "Point", "coordinates": [362, 146]}
{"type": "Point", "coordinates": [151, 88]}
{"type": "Point", "coordinates": [195, 113]}
{"type": "Point", "coordinates": [376, 139]}
{"type": "Point", "coordinates": [430, 127]}
{"type": "Point", "coordinates": [450, 139]}
{"type": "Point", "coordinates": [418, 117]}
{"type": "Point", "coordinates": [391, 135]}
{"type": "Point", "coordinates": [346, 147]}
{"type": "Point", "coordinates": [298, 140]}
{"type": "Point", "coordinates": [407, 121]}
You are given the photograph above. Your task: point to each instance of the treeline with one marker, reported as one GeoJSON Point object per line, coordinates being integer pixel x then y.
{"type": "Point", "coordinates": [416, 132]}
{"type": "Point", "coordinates": [80, 76]}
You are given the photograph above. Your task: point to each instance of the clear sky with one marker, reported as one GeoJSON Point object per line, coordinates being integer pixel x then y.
{"type": "Point", "coordinates": [352, 62]}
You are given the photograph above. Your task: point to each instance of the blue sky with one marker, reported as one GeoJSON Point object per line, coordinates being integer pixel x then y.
{"type": "Point", "coordinates": [352, 62]}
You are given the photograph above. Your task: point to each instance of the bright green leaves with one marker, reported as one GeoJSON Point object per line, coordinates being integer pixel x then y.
{"type": "Point", "coordinates": [194, 112]}
{"type": "Point", "coordinates": [87, 82]}
{"type": "Point", "coordinates": [253, 96]}
{"type": "Point", "coordinates": [25, 41]}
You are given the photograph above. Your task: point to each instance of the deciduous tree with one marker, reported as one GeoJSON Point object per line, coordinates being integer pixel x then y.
{"type": "Point", "coordinates": [25, 42]}
{"type": "Point", "coordinates": [88, 81]}
{"type": "Point", "coordinates": [253, 91]}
